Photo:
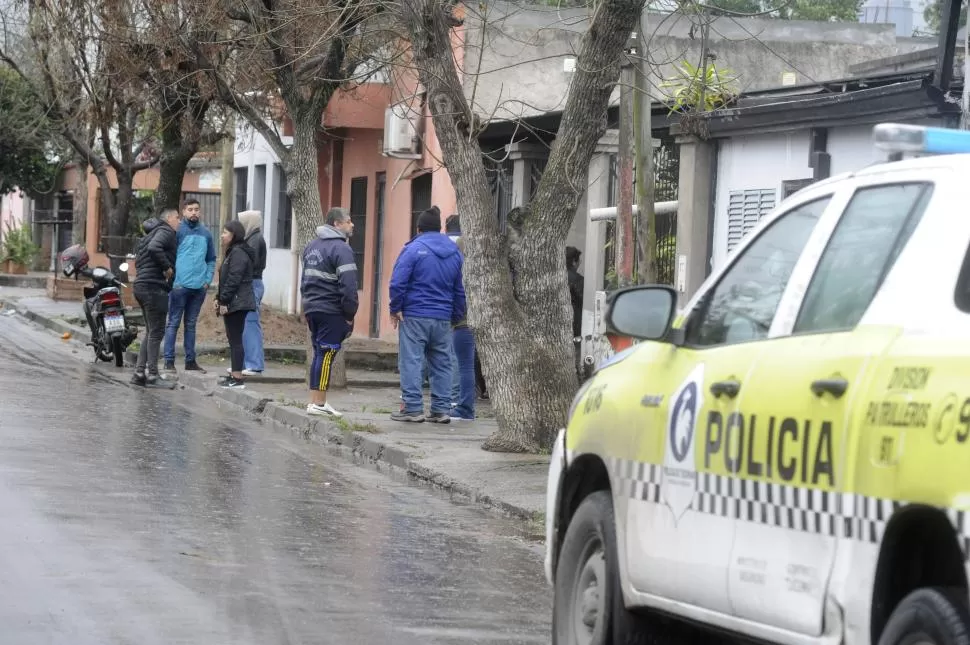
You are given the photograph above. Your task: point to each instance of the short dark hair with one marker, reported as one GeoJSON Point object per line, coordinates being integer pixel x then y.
{"type": "Point", "coordinates": [572, 256]}
{"type": "Point", "coordinates": [188, 202]}
{"type": "Point", "coordinates": [235, 227]}
{"type": "Point", "coordinates": [336, 215]}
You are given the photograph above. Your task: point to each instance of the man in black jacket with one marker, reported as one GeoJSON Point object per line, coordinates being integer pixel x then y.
{"type": "Point", "coordinates": [253, 333]}
{"type": "Point", "coordinates": [155, 267]}
{"type": "Point", "coordinates": [329, 289]}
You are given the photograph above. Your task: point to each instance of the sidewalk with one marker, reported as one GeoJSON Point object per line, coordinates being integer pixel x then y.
{"type": "Point", "coordinates": [448, 457]}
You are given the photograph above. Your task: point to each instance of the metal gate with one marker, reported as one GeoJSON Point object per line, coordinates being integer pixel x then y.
{"type": "Point", "coordinates": [666, 160]}
{"type": "Point", "coordinates": [209, 204]}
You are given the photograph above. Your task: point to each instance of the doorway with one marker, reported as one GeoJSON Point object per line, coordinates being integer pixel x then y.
{"type": "Point", "coordinates": [375, 314]}
{"type": "Point", "coordinates": [420, 199]}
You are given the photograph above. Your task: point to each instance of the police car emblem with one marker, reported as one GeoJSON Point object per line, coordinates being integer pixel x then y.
{"type": "Point", "coordinates": [679, 468]}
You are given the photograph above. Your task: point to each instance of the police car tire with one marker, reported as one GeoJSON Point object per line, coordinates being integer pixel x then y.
{"type": "Point", "coordinates": [594, 520]}
{"type": "Point", "coordinates": [940, 616]}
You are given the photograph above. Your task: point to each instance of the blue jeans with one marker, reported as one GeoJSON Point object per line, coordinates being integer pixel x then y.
{"type": "Point", "coordinates": [253, 333]}
{"type": "Point", "coordinates": [188, 302]}
{"type": "Point", "coordinates": [464, 348]}
{"type": "Point", "coordinates": [420, 338]}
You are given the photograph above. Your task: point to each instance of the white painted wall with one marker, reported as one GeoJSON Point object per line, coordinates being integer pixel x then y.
{"type": "Point", "coordinates": [251, 151]}
{"type": "Point", "coordinates": [755, 162]}
{"type": "Point", "coordinates": [765, 161]}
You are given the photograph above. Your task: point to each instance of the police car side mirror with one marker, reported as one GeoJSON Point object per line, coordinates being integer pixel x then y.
{"type": "Point", "coordinates": [642, 312]}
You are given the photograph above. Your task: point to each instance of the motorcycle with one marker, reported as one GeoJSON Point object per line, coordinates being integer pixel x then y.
{"type": "Point", "coordinates": [111, 331]}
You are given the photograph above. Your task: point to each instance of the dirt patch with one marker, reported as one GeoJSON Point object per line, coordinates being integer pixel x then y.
{"type": "Point", "coordinates": [278, 328]}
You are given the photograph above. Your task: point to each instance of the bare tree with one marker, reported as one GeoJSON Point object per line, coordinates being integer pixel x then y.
{"type": "Point", "coordinates": [517, 292]}
{"type": "Point", "coordinates": [183, 98]}
{"type": "Point", "coordinates": [74, 75]}
{"type": "Point", "coordinates": [291, 57]}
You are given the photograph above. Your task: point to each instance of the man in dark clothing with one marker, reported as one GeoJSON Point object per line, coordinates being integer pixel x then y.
{"type": "Point", "coordinates": [427, 298]}
{"type": "Point", "coordinates": [155, 267]}
{"type": "Point", "coordinates": [329, 290]}
{"type": "Point", "coordinates": [576, 286]}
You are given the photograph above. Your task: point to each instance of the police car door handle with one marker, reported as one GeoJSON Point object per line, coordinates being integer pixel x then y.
{"type": "Point", "coordinates": [834, 386]}
{"type": "Point", "coordinates": [727, 388]}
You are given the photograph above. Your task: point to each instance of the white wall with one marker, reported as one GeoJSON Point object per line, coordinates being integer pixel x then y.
{"type": "Point", "coordinates": [251, 151]}
{"type": "Point", "coordinates": [755, 162]}
{"type": "Point", "coordinates": [764, 161]}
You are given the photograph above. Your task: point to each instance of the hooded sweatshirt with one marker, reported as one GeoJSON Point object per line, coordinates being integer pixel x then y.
{"type": "Point", "coordinates": [329, 283]}
{"type": "Point", "coordinates": [252, 223]}
{"type": "Point", "coordinates": [426, 282]}
{"type": "Point", "coordinates": [196, 262]}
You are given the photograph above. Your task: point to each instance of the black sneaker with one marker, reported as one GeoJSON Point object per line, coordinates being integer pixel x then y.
{"type": "Point", "coordinates": [439, 417]}
{"type": "Point", "coordinates": [232, 383]}
{"type": "Point", "coordinates": [169, 366]}
{"type": "Point", "coordinates": [137, 379]}
{"type": "Point", "coordinates": [194, 367]}
{"type": "Point", "coordinates": [408, 417]}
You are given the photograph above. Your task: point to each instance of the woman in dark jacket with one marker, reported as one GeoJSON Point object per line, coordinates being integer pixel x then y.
{"type": "Point", "coordinates": [236, 297]}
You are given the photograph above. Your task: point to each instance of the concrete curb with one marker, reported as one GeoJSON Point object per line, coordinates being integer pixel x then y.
{"type": "Point", "coordinates": [356, 446]}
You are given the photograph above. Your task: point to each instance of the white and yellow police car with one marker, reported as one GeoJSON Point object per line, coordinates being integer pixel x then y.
{"type": "Point", "coordinates": [788, 459]}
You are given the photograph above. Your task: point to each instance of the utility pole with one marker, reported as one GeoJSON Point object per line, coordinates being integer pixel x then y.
{"type": "Point", "coordinates": [646, 179]}
{"type": "Point", "coordinates": [226, 198]}
{"type": "Point", "coordinates": [624, 215]}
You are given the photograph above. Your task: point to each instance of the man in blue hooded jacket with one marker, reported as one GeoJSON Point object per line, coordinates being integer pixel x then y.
{"type": "Point", "coordinates": [194, 267]}
{"type": "Point", "coordinates": [427, 298]}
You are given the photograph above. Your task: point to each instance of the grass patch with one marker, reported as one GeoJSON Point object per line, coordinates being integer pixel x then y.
{"type": "Point", "coordinates": [383, 411]}
{"type": "Point", "coordinates": [356, 426]}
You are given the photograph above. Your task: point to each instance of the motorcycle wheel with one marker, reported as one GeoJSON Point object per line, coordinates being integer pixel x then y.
{"type": "Point", "coordinates": [118, 350]}
{"type": "Point", "coordinates": [102, 346]}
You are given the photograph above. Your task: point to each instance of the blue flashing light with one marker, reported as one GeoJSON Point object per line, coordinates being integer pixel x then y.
{"type": "Point", "coordinates": [897, 137]}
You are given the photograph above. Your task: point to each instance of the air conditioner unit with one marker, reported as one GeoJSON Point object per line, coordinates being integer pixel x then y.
{"type": "Point", "coordinates": [402, 139]}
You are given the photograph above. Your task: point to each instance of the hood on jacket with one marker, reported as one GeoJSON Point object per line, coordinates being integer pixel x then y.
{"type": "Point", "coordinates": [251, 221]}
{"type": "Point", "coordinates": [250, 251]}
{"type": "Point", "coordinates": [151, 224]}
{"type": "Point", "coordinates": [438, 243]}
{"type": "Point", "coordinates": [327, 232]}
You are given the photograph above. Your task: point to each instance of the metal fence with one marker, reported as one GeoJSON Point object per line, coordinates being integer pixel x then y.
{"type": "Point", "coordinates": [666, 160]}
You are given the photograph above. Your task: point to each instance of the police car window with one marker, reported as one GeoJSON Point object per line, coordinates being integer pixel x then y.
{"type": "Point", "coordinates": [742, 305]}
{"type": "Point", "coordinates": [871, 233]}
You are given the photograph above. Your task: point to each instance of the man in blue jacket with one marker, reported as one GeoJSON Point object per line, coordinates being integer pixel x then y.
{"type": "Point", "coordinates": [427, 298]}
{"type": "Point", "coordinates": [194, 267]}
{"type": "Point", "coordinates": [329, 290]}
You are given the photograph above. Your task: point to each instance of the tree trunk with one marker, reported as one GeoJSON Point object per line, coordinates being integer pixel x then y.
{"type": "Point", "coordinates": [522, 323]}
{"type": "Point", "coordinates": [80, 220]}
{"type": "Point", "coordinates": [171, 171]}
{"type": "Point", "coordinates": [120, 209]}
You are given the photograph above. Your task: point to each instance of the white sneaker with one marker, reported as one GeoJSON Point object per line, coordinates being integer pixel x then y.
{"type": "Point", "coordinates": [325, 410]}
{"type": "Point", "coordinates": [250, 373]}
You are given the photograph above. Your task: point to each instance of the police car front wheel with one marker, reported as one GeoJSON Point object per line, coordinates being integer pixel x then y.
{"type": "Point", "coordinates": [930, 616]}
{"type": "Point", "coordinates": [588, 607]}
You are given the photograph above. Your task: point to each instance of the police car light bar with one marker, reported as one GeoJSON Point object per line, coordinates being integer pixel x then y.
{"type": "Point", "coordinates": [897, 137]}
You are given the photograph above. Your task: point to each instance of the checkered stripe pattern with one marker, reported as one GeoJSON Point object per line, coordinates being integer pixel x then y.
{"type": "Point", "coordinates": [833, 514]}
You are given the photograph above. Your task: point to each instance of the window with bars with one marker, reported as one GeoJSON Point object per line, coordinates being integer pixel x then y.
{"type": "Point", "coordinates": [284, 211]}
{"type": "Point", "coordinates": [745, 210]}
{"type": "Point", "coordinates": [358, 212]}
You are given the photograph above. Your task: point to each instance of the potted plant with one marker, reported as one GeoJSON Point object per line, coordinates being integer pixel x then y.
{"type": "Point", "coordinates": [18, 251]}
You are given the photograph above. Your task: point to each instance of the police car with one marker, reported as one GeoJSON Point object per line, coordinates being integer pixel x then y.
{"type": "Point", "coordinates": [788, 460]}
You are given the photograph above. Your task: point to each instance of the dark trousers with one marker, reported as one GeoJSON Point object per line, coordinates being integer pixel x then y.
{"type": "Point", "coordinates": [328, 331]}
{"type": "Point", "coordinates": [154, 308]}
{"type": "Point", "coordinates": [235, 324]}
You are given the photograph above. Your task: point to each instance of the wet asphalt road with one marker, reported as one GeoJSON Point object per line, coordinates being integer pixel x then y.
{"type": "Point", "coordinates": [143, 517]}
